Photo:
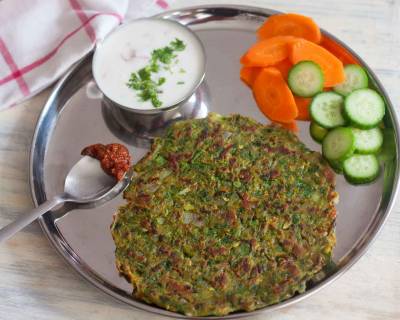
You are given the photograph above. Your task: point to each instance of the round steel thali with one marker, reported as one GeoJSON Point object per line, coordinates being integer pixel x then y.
{"type": "Point", "coordinates": [74, 117]}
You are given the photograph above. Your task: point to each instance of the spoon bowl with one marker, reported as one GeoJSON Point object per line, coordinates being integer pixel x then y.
{"type": "Point", "coordinates": [86, 183]}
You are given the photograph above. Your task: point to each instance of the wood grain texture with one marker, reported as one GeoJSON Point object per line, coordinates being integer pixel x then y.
{"type": "Point", "coordinates": [35, 283]}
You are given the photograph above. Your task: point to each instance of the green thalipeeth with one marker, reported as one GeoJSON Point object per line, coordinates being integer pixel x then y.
{"type": "Point", "coordinates": [225, 214]}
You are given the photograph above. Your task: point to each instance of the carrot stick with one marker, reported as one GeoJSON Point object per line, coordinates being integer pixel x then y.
{"type": "Point", "coordinates": [338, 51]}
{"type": "Point", "coordinates": [331, 66]}
{"type": "Point", "coordinates": [303, 108]}
{"type": "Point", "coordinates": [267, 52]}
{"type": "Point", "coordinates": [274, 97]}
{"type": "Point", "coordinates": [290, 24]}
{"type": "Point", "coordinates": [249, 74]}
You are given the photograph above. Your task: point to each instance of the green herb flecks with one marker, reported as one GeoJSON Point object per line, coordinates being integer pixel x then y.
{"type": "Point", "coordinates": [178, 45]}
{"type": "Point", "coordinates": [161, 81]}
{"type": "Point", "coordinates": [142, 80]}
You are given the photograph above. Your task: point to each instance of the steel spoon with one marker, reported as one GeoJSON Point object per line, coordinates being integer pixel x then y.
{"type": "Point", "coordinates": [85, 183]}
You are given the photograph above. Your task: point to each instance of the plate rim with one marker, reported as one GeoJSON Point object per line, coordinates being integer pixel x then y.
{"type": "Point", "coordinates": [63, 249]}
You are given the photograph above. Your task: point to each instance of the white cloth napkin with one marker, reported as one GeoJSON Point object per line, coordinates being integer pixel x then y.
{"type": "Point", "coordinates": [41, 39]}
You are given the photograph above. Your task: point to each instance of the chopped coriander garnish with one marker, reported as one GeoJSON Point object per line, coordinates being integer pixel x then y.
{"type": "Point", "coordinates": [154, 67]}
{"type": "Point", "coordinates": [178, 45]}
{"type": "Point", "coordinates": [142, 80]}
{"type": "Point", "coordinates": [144, 73]}
{"type": "Point", "coordinates": [164, 55]}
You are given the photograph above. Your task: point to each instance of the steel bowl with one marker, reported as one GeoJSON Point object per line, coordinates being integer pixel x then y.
{"type": "Point", "coordinates": [151, 122]}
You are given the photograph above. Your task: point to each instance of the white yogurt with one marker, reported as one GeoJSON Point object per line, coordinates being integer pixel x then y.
{"type": "Point", "coordinates": [129, 48]}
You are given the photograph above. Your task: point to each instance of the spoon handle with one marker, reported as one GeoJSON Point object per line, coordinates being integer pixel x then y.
{"type": "Point", "coordinates": [26, 218]}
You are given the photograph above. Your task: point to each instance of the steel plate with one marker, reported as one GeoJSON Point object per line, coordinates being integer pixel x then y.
{"type": "Point", "coordinates": [75, 117]}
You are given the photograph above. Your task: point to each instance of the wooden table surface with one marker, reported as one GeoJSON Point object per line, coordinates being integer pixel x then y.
{"type": "Point", "coordinates": [35, 283]}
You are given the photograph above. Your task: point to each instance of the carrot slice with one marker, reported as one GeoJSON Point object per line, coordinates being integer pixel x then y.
{"type": "Point", "coordinates": [284, 67]}
{"type": "Point", "coordinates": [303, 108]}
{"type": "Point", "coordinates": [274, 97]}
{"type": "Point", "coordinates": [338, 51]}
{"type": "Point", "coordinates": [331, 66]}
{"type": "Point", "coordinates": [291, 126]}
{"type": "Point", "coordinates": [249, 74]}
{"type": "Point", "coordinates": [290, 24]}
{"type": "Point", "coordinates": [268, 52]}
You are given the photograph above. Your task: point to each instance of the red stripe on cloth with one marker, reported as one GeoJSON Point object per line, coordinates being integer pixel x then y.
{"type": "Point", "coordinates": [83, 17]}
{"type": "Point", "coordinates": [40, 61]}
{"type": "Point", "coordinates": [17, 75]}
{"type": "Point", "coordinates": [162, 3]}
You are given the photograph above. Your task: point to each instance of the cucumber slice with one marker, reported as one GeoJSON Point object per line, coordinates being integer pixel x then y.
{"type": "Point", "coordinates": [317, 132]}
{"type": "Point", "coordinates": [368, 141]}
{"type": "Point", "coordinates": [360, 168]}
{"type": "Point", "coordinates": [388, 150]}
{"type": "Point", "coordinates": [338, 144]}
{"type": "Point", "coordinates": [337, 166]}
{"type": "Point", "coordinates": [365, 108]}
{"type": "Point", "coordinates": [326, 110]}
{"type": "Point", "coordinates": [306, 79]}
{"type": "Point", "coordinates": [356, 78]}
